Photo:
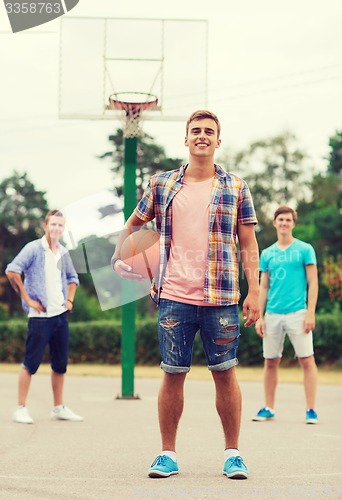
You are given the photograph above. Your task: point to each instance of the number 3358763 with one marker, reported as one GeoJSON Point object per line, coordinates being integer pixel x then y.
{"type": "Point", "coordinates": [33, 8]}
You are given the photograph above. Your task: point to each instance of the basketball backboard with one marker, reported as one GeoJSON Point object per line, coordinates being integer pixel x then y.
{"type": "Point", "coordinates": [101, 56]}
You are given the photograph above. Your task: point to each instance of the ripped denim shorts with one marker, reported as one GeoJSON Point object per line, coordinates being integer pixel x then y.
{"type": "Point", "coordinates": [178, 324]}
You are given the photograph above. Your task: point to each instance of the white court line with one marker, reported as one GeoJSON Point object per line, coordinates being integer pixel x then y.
{"type": "Point", "coordinates": [97, 399]}
{"type": "Point", "coordinates": [96, 479]}
{"type": "Point", "coordinates": [328, 436]}
{"type": "Point", "coordinates": [44, 478]}
{"type": "Point", "coordinates": [302, 448]}
{"type": "Point", "coordinates": [300, 476]}
{"type": "Point", "coordinates": [91, 428]}
{"type": "Point", "coordinates": [58, 426]}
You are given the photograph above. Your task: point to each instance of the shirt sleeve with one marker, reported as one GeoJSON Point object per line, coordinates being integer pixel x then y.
{"type": "Point", "coordinates": [71, 274]}
{"type": "Point", "coordinates": [263, 265]}
{"type": "Point", "coordinates": [246, 212]}
{"type": "Point", "coordinates": [310, 255]}
{"type": "Point", "coordinates": [22, 261]}
{"type": "Point", "coordinates": [145, 208]}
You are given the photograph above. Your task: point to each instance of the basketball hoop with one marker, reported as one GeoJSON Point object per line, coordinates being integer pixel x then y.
{"type": "Point", "coordinates": [133, 103]}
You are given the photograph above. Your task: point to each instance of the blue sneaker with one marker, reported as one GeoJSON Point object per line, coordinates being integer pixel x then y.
{"type": "Point", "coordinates": [311, 417]}
{"type": "Point", "coordinates": [263, 414]}
{"type": "Point", "coordinates": [163, 466]}
{"type": "Point", "coordinates": [234, 468]}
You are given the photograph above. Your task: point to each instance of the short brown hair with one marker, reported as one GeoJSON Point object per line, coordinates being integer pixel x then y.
{"type": "Point", "coordinates": [51, 213]}
{"type": "Point", "coordinates": [284, 209]}
{"type": "Point", "coordinates": [201, 115]}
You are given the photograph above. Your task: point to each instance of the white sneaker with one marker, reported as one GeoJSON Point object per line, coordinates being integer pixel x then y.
{"type": "Point", "coordinates": [22, 416]}
{"type": "Point", "coordinates": [65, 413]}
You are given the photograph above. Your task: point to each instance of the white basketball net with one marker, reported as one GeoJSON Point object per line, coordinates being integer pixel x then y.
{"type": "Point", "coordinates": [131, 123]}
{"type": "Point", "coordinates": [132, 111]}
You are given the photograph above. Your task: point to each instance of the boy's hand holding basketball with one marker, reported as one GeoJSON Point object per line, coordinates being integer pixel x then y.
{"type": "Point", "coordinates": [125, 271]}
{"type": "Point", "coordinates": [139, 256]}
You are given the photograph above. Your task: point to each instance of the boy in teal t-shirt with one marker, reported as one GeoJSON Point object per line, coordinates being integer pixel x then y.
{"type": "Point", "coordinates": [288, 297]}
{"type": "Point", "coordinates": [287, 274]}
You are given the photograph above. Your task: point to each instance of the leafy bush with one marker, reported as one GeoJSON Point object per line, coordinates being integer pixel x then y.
{"type": "Point", "coordinates": [100, 342]}
{"type": "Point", "coordinates": [327, 343]}
{"type": "Point", "coordinates": [95, 341]}
{"type": "Point", "coordinates": [328, 339]}
{"type": "Point", "coordinates": [87, 308]}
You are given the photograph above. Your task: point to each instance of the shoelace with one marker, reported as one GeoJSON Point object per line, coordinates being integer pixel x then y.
{"type": "Point", "coordinates": [160, 460]}
{"type": "Point", "coordinates": [237, 461]}
{"type": "Point", "coordinates": [264, 410]}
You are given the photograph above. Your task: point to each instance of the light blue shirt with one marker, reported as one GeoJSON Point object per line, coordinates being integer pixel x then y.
{"type": "Point", "coordinates": [287, 274]}
{"type": "Point", "coordinates": [31, 261]}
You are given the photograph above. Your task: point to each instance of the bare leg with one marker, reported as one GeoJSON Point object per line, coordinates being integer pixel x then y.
{"type": "Point", "coordinates": [57, 382]}
{"type": "Point", "coordinates": [170, 408]}
{"type": "Point", "coordinates": [23, 385]}
{"type": "Point", "coordinates": [271, 380]}
{"type": "Point", "coordinates": [228, 405]}
{"type": "Point", "coordinates": [310, 380]}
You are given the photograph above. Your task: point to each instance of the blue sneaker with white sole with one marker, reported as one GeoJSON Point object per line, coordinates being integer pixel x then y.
{"type": "Point", "coordinates": [235, 468]}
{"type": "Point", "coordinates": [163, 466]}
{"type": "Point", "coordinates": [263, 414]}
{"type": "Point", "coordinates": [311, 417]}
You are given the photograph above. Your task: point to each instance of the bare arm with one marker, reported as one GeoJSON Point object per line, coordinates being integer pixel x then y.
{"type": "Point", "coordinates": [312, 279]}
{"type": "Point", "coordinates": [18, 286]}
{"type": "Point", "coordinates": [132, 225]}
{"type": "Point", "coordinates": [71, 291]}
{"type": "Point", "coordinates": [250, 261]}
{"type": "Point", "coordinates": [264, 287]}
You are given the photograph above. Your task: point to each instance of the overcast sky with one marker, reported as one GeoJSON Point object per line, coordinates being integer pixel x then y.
{"type": "Point", "coordinates": [272, 66]}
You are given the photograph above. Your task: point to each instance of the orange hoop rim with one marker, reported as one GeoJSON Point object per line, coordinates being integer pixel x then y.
{"type": "Point", "coordinates": [134, 106]}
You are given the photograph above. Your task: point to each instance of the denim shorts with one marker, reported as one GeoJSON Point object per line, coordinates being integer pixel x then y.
{"type": "Point", "coordinates": [41, 332]}
{"type": "Point", "coordinates": [178, 324]}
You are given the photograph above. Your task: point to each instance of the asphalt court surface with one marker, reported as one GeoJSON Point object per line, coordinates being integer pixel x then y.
{"type": "Point", "coordinates": [107, 455]}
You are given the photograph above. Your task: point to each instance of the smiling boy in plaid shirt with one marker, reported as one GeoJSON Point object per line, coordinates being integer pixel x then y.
{"type": "Point", "coordinates": [199, 211]}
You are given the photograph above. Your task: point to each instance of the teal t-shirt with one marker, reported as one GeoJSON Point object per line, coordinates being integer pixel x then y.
{"type": "Point", "coordinates": [287, 274]}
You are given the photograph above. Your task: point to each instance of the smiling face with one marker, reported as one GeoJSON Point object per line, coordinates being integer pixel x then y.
{"type": "Point", "coordinates": [54, 228]}
{"type": "Point", "coordinates": [284, 224]}
{"type": "Point", "coordinates": [202, 138]}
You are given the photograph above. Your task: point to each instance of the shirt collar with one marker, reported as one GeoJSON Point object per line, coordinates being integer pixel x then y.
{"type": "Point", "coordinates": [45, 243]}
{"type": "Point", "coordinates": [218, 169]}
{"type": "Point", "coordinates": [182, 171]}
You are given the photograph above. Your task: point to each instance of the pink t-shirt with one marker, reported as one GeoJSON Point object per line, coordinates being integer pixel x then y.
{"type": "Point", "coordinates": [184, 277]}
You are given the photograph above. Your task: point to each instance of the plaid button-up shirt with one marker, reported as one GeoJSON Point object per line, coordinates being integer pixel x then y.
{"type": "Point", "coordinates": [231, 204]}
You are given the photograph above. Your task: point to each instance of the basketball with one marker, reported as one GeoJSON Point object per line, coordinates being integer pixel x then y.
{"type": "Point", "coordinates": [141, 251]}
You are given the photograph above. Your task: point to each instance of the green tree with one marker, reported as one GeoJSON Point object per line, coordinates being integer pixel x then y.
{"type": "Point", "coordinates": [335, 155]}
{"type": "Point", "coordinates": [275, 170]}
{"type": "Point", "coordinates": [151, 159]}
{"type": "Point", "coordinates": [22, 209]}
{"type": "Point", "coordinates": [320, 218]}
{"type": "Point", "coordinates": [332, 277]}
{"type": "Point", "coordinates": [320, 221]}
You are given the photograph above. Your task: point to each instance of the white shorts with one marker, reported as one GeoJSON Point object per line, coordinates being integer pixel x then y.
{"type": "Point", "coordinates": [292, 324]}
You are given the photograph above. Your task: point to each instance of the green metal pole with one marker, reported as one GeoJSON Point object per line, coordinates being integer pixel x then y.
{"type": "Point", "coordinates": [128, 287]}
